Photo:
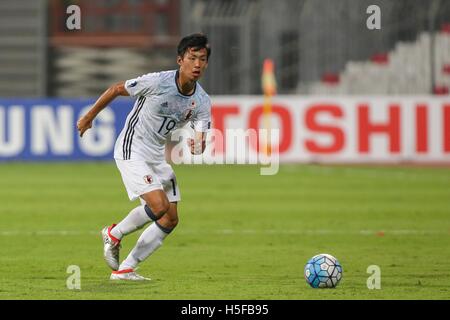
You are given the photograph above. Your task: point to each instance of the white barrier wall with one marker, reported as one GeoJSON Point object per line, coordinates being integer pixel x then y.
{"type": "Point", "coordinates": [347, 129]}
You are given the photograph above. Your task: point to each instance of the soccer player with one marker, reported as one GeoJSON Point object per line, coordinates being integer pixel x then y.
{"type": "Point", "coordinates": [164, 101]}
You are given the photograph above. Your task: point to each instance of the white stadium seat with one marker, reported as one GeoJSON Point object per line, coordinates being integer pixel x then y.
{"type": "Point", "coordinates": [407, 71]}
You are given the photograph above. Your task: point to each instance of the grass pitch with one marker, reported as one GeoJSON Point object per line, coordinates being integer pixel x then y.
{"type": "Point", "coordinates": [241, 235]}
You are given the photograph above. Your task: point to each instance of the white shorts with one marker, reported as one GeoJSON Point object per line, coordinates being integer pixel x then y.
{"type": "Point", "coordinates": [141, 177]}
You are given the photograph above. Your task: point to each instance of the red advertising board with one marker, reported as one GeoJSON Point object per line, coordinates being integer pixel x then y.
{"type": "Point", "coordinates": [345, 129]}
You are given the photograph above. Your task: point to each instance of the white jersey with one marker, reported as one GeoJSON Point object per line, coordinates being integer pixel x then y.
{"type": "Point", "coordinates": [159, 109]}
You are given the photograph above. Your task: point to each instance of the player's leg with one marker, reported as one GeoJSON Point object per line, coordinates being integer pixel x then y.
{"type": "Point", "coordinates": [161, 207]}
{"type": "Point", "coordinates": [140, 182]}
{"type": "Point", "coordinates": [135, 220]}
{"type": "Point", "coordinates": [138, 179]}
{"type": "Point", "coordinates": [169, 182]}
{"type": "Point", "coordinates": [155, 205]}
{"type": "Point", "coordinates": [152, 238]}
{"type": "Point", "coordinates": [169, 221]}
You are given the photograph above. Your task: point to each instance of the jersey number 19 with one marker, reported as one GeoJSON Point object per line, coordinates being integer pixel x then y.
{"type": "Point", "coordinates": [167, 125]}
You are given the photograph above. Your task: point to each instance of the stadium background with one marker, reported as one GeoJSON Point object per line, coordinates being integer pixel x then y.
{"type": "Point", "coordinates": [345, 94]}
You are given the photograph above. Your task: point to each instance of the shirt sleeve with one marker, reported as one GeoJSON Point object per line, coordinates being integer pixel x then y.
{"type": "Point", "coordinates": [201, 122]}
{"type": "Point", "coordinates": [142, 86]}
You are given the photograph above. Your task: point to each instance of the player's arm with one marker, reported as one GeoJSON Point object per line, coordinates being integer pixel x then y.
{"type": "Point", "coordinates": [109, 95]}
{"type": "Point", "coordinates": [201, 123]}
{"type": "Point", "coordinates": [198, 144]}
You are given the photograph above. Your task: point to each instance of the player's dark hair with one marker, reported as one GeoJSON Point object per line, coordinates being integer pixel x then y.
{"type": "Point", "coordinates": [196, 41]}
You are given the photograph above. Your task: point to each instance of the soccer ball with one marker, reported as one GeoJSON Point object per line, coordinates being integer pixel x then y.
{"type": "Point", "coordinates": [323, 271]}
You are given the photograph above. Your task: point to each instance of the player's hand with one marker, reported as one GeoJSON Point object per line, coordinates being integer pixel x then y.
{"type": "Point", "coordinates": [196, 148]}
{"type": "Point", "coordinates": [191, 144]}
{"type": "Point", "coordinates": [83, 124]}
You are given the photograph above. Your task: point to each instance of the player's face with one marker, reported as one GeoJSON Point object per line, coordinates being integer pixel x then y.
{"type": "Point", "coordinates": [193, 64]}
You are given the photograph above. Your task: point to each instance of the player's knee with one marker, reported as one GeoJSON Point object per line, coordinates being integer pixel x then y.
{"type": "Point", "coordinates": [173, 222]}
{"type": "Point", "coordinates": [165, 206]}
{"type": "Point", "coordinates": [159, 208]}
{"type": "Point", "coordinates": [169, 223]}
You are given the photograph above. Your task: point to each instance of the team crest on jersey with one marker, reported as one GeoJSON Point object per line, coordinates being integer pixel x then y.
{"type": "Point", "coordinates": [164, 105]}
{"type": "Point", "coordinates": [148, 179]}
{"type": "Point", "coordinates": [193, 104]}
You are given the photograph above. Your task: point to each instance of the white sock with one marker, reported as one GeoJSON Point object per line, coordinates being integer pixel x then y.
{"type": "Point", "coordinates": [150, 240]}
{"type": "Point", "coordinates": [136, 219]}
